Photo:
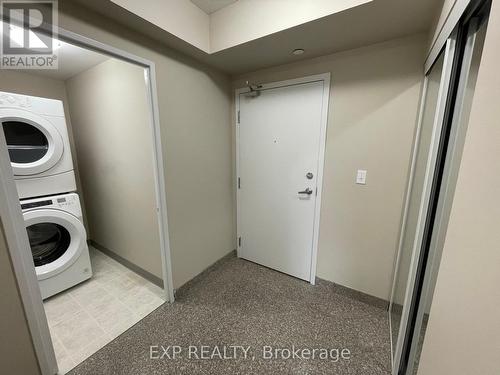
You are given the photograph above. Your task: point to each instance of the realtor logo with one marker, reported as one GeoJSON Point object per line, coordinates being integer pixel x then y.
{"type": "Point", "coordinates": [28, 34]}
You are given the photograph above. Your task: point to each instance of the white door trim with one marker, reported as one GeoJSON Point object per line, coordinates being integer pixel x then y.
{"type": "Point", "coordinates": [325, 78]}
{"type": "Point", "coordinates": [13, 223]}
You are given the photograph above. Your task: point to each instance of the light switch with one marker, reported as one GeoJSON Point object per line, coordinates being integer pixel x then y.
{"type": "Point", "coordinates": [361, 177]}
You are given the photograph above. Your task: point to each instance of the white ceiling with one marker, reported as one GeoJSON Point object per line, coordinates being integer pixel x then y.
{"type": "Point", "coordinates": [370, 23]}
{"type": "Point", "coordinates": [72, 60]}
{"type": "Point", "coordinates": [210, 6]}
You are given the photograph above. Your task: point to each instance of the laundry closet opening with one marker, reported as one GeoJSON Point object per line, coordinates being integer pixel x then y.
{"type": "Point", "coordinates": [82, 149]}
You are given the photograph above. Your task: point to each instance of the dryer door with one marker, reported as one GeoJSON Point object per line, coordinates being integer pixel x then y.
{"type": "Point", "coordinates": [34, 144]}
{"type": "Point", "coordinates": [57, 239]}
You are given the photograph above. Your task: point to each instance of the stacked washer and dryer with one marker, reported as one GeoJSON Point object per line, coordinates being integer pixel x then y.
{"type": "Point", "coordinates": [39, 150]}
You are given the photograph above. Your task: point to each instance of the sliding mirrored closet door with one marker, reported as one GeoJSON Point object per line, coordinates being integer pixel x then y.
{"type": "Point", "coordinates": [446, 101]}
{"type": "Point", "coordinates": [421, 151]}
{"type": "Point", "coordinates": [429, 132]}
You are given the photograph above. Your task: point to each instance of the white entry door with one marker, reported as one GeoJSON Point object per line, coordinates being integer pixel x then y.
{"type": "Point", "coordinates": [280, 147]}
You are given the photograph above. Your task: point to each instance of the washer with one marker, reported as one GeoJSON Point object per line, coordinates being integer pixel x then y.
{"type": "Point", "coordinates": [58, 242]}
{"type": "Point", "coordinates": [38, 143]}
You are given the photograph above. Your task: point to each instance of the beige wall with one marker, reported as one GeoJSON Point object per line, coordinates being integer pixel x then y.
{"type": "Point", "coordinates": [17, 355]}
{"type": "Point", "coordinates": [463, 334]}
{"type": "Point", "coordinates": [372, 115]}
{"type": "Point", "coordinates": [31, 84]}
{"type": "Point", "coordinates": [190, 253]}
{"type": "Point", "coordinates": [111, 124]}
{"type": "Point", "coordinates": [196, 134]}
{"type": "Point", "coordinates": [194, 109]}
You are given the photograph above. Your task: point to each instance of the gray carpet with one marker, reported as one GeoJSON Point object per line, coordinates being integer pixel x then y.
{"type": "Point", "coordinates": [240, 303]}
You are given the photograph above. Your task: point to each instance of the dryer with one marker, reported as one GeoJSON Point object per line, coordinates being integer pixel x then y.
{"type": "Point", "coordinates": [38, 144]}
{"type": "Point", "coordinates": [58, 242]}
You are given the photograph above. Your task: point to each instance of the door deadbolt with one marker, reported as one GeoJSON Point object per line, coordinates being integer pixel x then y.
{"type": "Point", "coordinates": [309, 176]}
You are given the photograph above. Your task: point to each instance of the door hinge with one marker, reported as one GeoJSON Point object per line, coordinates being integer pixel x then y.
{"type": "Point", "coordinates": [316, 191]}
{"type": "Point", "coordinates": [239, 116]}
{"type": "Point", "coordinates": [239, 241]}
{"type": "Point", "coordinates": [239, 183]}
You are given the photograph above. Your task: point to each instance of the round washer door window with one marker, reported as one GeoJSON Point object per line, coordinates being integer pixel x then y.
{"type": "Point", "coordinates": [34, 144]}
{"type": "Point", "coordinates": [57, 239]}
{"type": "Point", "coordinates": [48, 241]}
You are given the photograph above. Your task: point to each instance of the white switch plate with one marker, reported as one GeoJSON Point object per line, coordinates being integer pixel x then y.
{"type": "Point", "coordinates": [361, 177]}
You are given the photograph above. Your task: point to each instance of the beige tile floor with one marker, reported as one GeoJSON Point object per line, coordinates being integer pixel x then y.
{"type": "Point", "coordinates": [88, 316]}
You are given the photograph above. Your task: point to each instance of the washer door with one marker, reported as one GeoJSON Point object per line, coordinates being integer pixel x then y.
{"type": "Point", "coordinates": [57, 239]}
{"type": "Point", "coordinates": [34, 144]}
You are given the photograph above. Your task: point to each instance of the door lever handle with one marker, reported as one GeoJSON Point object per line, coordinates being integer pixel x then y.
{"type": "Point", "coordinates": [307, 191]}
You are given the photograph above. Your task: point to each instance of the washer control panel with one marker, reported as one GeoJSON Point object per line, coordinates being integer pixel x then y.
{"type": "Point", "coordinates": [26, 206]}
{"type": "Point", "coordinates": [67, 202]}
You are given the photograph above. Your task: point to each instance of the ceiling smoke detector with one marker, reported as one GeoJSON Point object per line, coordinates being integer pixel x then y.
{"type": "Point", "coordinates": [298, 51]}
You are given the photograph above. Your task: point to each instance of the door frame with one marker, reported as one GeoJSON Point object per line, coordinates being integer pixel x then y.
{"type": "Point", "coordinates": [325, 78]}
{"type": "Point", "coordinates": [13, 222]}
{"type": "Point", "coordinates": [453, 18]}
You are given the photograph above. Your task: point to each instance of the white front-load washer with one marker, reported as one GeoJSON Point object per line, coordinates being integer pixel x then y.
{"type": "Point", "coordinates": [38, 144]}
{"type": "Point", "coordinates": [58, 242]}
